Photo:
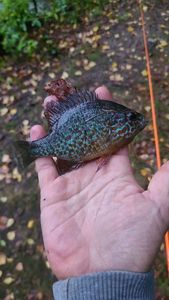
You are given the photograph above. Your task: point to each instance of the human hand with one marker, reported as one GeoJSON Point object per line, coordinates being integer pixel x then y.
{"type": "Point", "coordinates": [99, 221]}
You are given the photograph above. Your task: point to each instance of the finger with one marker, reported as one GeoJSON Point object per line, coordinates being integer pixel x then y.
{"type": "Point", "coordinates": [48, 99]}
{"type": "Point", "coordinates": [159, 190]}
{"type": "Point", "coordinates": [120, 160]}
{"type": "Point", "coordinates": [103, 93]}
{"type": "Point", "coordinates": [45, 166]}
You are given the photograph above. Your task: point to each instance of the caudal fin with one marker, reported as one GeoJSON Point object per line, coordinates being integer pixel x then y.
{"type": "Point", "coordinates": [24, 149]}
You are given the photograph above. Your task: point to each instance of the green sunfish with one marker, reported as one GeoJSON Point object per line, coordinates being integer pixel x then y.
{"type": "Point", "coordinates": [83, 128]}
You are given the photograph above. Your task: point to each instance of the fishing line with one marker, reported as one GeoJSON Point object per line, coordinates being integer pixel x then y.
{"type": "Point", "coordinates": [154, 117]}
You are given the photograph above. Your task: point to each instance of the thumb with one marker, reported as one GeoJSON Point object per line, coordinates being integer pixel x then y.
{"type": "Point", "coordinates": [159, 190]}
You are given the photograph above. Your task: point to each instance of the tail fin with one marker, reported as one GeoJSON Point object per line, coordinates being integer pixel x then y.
{"type": "Point", "coordinates": [24, 148]}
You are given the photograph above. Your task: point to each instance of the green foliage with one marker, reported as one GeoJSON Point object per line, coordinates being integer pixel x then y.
{"type": "Point", "coordinates": [15, 22]}
{"type": "Point", "coordinates": [19, 18]}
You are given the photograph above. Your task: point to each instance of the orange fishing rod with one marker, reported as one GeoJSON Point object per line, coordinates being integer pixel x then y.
{"type": "Point", "coordinates": [154, 117]}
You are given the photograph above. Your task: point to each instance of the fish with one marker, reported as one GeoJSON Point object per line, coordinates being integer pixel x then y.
{"type": "Point", "coordinates": [83, 128]}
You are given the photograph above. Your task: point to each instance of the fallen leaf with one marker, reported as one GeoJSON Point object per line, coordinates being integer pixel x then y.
{"type": "Point", "coordinates": [52, 75]}
{"type": "Point", "coordinates": [90, 65]}
{"type": "Point", "coordinates": [128, 67]}
{"type": "Point", "coordinates": [145, 172]}
{"type": "Point", "coordinates": [105, 47]}
{"type": "Point", "coordinates": [6, 158]}
{"type": "Point", "coordinates": [1, 273]}
{"type": "Point", "coordinates": [65, 75]}
{"type": "Point", "coordinates": [2, 177]}
{"type": "Point", "coordinates": [2, 259]}
{"type": "Point", "coordinates": [13, 111]}
{"type": "Point", "coordinates": [162, 44]}
{"type": "Point", "coordinates": [117, 36]}
{"type": "Point", "coordinates": [130, 29]}
{"type": "Point", "coordinates": [10, 297]}
{"type": "Point", "coordinates": [166, 116]}
{"type": "Point", "coordinates": [116, 77]}
{"type": "Point", "coordinates": [8, 280]}
{"type": "Point", "coordinates": [63, 44]}
{"type": "Point", "coordinates": [16, 175]}
{"type": "Point", "coordinates": [144, 73]}
{"type": "Point", "coordinates": [114, 67]}
{"type": "Point", "coordinates": [3, 199]}
{"type": "Point", "coordinates": [10, 222]}
{"type": "Point", "coordinates": [47, 264]}
{"type": "Point", "coordinates": [30, 242]}
{"type": "Point", "coordinates": [30, 224]}
{"type": "Point", "coordinates": [145, 8]}
{"type": "Point", "coordinates": [78, 73]}
{"type": "Point", "coordinates": [10, 260]}
{"type": "Point", "coordinates": [3, 111]}
{"type": "Point", "coordinates": [147, 108]}
{"type": "Point", "coordinates": [95, 28]}
{"type": "Point", "coordinates": [2, 243]}
{"type": "Point", "coordinates": [11, 235]}
{"type": "Point", "coordinates": [19, 267]}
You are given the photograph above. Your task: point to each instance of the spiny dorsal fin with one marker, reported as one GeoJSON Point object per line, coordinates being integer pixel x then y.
{"type": "Point", "coordinates": [55, 109]}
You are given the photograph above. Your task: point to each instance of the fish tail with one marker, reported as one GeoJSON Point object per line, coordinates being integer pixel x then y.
{"type": "Point", "coordinates": [24, 148]}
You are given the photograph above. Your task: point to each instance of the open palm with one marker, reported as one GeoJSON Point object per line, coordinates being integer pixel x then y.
{"type": "Point", "coordinates": [101, 220]}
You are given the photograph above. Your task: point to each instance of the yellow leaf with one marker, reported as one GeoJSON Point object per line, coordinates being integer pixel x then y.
{"type": "Point", "coordinates": [3, 199]}
{"type": "Point", "coordinates": [6, 158]}
{"type": "Point", "coordinates": [167, 116]}
{"type": "Point", "coordinates": [65, 75]}
{"type": "Point", "coordinates": [116, 77]}
{"type": "Point", "coordinates": [25, 122]}
{"type": "Point", "coordinates": [19, 266]}
{"type": "Point", "coordinates": [95, 38]}
{"type": "Point", "coordinates": [16, 175]}
{"type": "Point", "coordinates": [2, 259]}
{"type": "Point", "coordinates": [10, 260]}
{"type": "Point", "coordinates": [130, 29]}
{"type": "Point", "coordinates": [52, 75]}
{"type": "Point", "coordinates": [47, 264]}
{"type": "Point", "coordinates": [30, 224]}
{"type": "Point", "coordinates": [128, 67]}
{"type": "Point", "coordinates": [1, 273]}
{"type": "Point", "coordinates": [114, 66]}
{"type": "Point", "coordinates": [147, 108]}
{"type": "Point", "coordinates": [90, 65]}
{"type": "Point", "coordinates": [63, 44]}
{"type": "Point", "coordinates": [145, 8]}
{"type": "Point", "coordinates": [145, 171]}
{"type": "Point", "coordinates": [78, 73]}
{"type": "Point", "coordinates": [10, 222]}
{"type": "Point", "coordinates": [116, 36]}
{"type": "Point", "coordinates": [144, 73]}
{"type": "Point", "coordinates": [8, 280]}
{"type": "Point", "coordinates": [30, 242]}
{"type": "Point", "coordinates": [11, 235]}
{"type": "Point", "coordinates": [105, 47]}
{"type": "Point", "coordinates": [163, 44]}
{"type": "Point", "coordinates": [13, 111]}
{"type": "Point", "coordinates": [96, 28]}
{"type": "Point", "coordinates": [3, 111]}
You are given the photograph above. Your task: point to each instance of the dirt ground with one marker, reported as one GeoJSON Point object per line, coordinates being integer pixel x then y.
{"type": "Point", "coordinates": [107, 50]}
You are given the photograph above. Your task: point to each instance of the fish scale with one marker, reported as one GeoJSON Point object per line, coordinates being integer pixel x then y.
{"type": "Point", "coordinates": [83, 128]}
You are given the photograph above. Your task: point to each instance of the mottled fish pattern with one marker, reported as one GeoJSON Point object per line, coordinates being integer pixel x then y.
{"type": "Point", "coordinates": [83, 128]}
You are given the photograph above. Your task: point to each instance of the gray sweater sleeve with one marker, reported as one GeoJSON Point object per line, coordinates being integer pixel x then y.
{"type": "Point", "coordinates": [113, 285]}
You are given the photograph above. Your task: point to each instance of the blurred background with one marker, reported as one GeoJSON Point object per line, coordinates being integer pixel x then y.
{"type": "Point", "coordinates": [90, 43]}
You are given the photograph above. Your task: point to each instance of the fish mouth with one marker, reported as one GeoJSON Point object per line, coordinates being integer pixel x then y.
{"type": "Point", "coordinates": [143, 122]}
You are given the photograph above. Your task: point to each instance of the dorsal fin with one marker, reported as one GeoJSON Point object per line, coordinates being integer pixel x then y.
{"type": "Point", "coordinates": [55, 109]}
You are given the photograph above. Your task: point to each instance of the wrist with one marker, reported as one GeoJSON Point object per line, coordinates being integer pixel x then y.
{"type": "Point", "coordinates": [107, 285]}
